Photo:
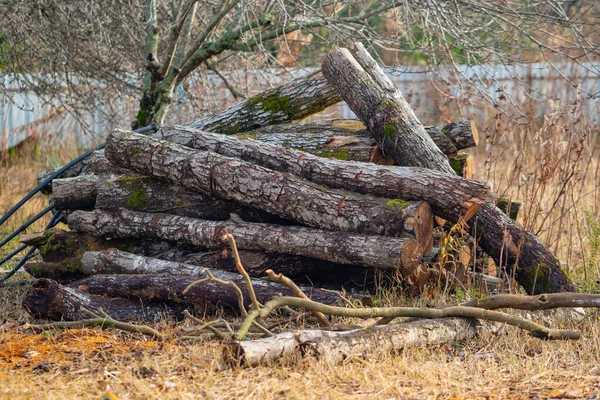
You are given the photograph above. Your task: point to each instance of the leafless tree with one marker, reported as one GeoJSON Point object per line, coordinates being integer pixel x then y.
{"type": "Point", "coordinates": [75, 50]}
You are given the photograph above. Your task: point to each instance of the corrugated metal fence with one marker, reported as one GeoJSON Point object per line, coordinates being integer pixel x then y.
{"type": "Point", "coordinates": [537, 90]}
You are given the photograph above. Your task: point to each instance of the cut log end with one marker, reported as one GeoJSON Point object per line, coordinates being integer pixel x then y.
{"type": "Point", "coordinates": [474, 134]}
{"type": "Point", "coordinates": [42, 300]}
{"type": "Point", "coordinates": [423, 227]}
{"type": "Point", "coordinates": [410, 258]}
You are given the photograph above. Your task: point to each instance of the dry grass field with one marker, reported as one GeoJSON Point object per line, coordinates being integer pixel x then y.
{"type": "Point", "coordinates": [555, 171]}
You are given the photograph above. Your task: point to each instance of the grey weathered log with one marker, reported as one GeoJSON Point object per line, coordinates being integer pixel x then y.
{"type": "Point", "coordinates": [449, 195]}
{"type": "Point", "coordinates": [350, 140]}
{"type": "Point", "coordinates": [291, 101]}
{"type": "Point", "coordinates": [143, 193]}
{"type": "Point", "coordinates": [545, 301]}
{"type": "Point", "coordinates": [169, 288]}
{"type": "Point", "coordinates": [47, 299]}
{"type": "Point", "coordinates": [278, 193]}
{"type": "Point", "coordinates": [381, 106]}
{"type": "Point", "coordinates": [335, 347]}
{"type": "Point", "coordinates": [339, 247]}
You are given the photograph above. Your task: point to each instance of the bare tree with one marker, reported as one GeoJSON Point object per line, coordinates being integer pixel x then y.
{"type": "Point", "coordinates": [77, 50]}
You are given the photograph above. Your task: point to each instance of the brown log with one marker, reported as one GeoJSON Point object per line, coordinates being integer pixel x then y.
{"type": "Point", "coordinates": [449, 195]}
{"type": "Point", "coordinates": [274, 192]}
{"type": "Point", "coordinates": [335, 347]}
{"type": "Point", "coordinates": [47, 299]}
{"type": "Point", "coordinates": [348, 139]}
{"type": "Point", "coordinates": [380, 105]}
{"type": "Point", "coordinates": [169, 288]}
{"type": "Point", "coordinates": [463, 164]}
{"type": "Point", "coordinates": [143, 193]}
{"type": "Point", "coordinates": [338, 247]}
{"type": "Point", "coordinates": [291, 101]}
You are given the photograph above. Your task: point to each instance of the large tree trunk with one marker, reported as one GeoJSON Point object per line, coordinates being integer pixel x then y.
{"type": "Point", "coordinates": [338, 247]}
{"type": "Point", "coordinates": [169, 288]}
{"type": "Point", "coordinates": [291, 101]}
{"type": "Point", "coordinates": [377, 102]}
{"type": "Point", "coordinates": [349, 139]}
{"type": "Point", "coordinates": [274, 192]}
{"type": "Point", "coordinates": [450, 196]}
{"type": "Point", "coordinates": [46, 299]}
{"type": "Point", "coordinates": [335, 347]}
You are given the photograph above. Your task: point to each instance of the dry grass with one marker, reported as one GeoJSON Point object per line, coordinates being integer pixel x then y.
{"type": "Point", "coordinates": [89, 362]}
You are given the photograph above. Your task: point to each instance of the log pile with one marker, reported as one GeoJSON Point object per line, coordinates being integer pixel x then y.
{"type": "Point", "coordinates": [327, 203]}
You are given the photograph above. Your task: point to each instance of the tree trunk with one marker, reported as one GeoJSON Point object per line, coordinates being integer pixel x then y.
{"type": "Point", "coordinates": [450, 196]}
{"type": "Point", "coordinates": [46, 299]}
{"type": "Point", "coordinates": [349, 139]}
{"type": "Point", "coordinates": [377, 102]}
{"type": "Point", "coordinates": [143, 193]}
{"type": "Point", "coordinates": [291, 101]}
{"type": "Point", "coordinates": [335, 347]}
{"type": "Point", "coordinates": [274, 192]}
{"type": "Point", "coordinates": [169, 288]}
{"type": "Point", "coordinates": [338, 247]}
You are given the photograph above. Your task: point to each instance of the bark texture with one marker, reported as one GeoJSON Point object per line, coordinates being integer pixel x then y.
{"type": "Point", "coordinates": [335, 347]}
{"type": "Point", "coordinates": [169, 288]}
{"type": "Point", "coordinates": [47, 299]}
{"type": "Point", "coordinates": [349, 139]}
{"type": "Point", "coordinates": [449, 195]}
{"type": "Point", "coordinates": [338, 247]}
{"type": "Point", "coordinates": [274, 192]}
{"type": "Point", "coordinates": [291, 101]}
{"type": "Point", "coordinates": [378, 103]}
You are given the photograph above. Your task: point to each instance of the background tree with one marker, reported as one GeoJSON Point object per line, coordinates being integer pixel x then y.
{"type": "Point", "coordinates": [79, 52]}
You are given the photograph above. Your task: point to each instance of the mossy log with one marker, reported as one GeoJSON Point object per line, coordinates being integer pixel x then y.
{"type": "Point", "coordinates": [291, 101]}
{"type": "Point", "coordinates": [170, 289]}
{"type": "Point", "coordinates": [47, 299]}
{"type": "Point", "coordinates": [463, 164]}
{"type": "Point", "coordinates": [278, 193]}
{"type": "Point", "coordinates": [338, 247]}
{"type": "Point", "coordinates": [348, 139]}
{"type": "Point", "coordinates": [449, 195]}
{"type": "Point", "coordinates": [381, 106]}
{"type": "Point", "coordinates": [143, 193]}
{"type": "Point", "coordinates": [510, 207]}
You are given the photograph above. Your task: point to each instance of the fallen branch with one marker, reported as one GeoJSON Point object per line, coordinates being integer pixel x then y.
{"type": "Point", "coordinates": [535, 303]}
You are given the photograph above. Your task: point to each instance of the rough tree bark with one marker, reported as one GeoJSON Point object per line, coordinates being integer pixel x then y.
{"type": "Point", "coordinates": [274, 192]}
{"type": "Point", "coordinates": [349, 139]}
{"type": "Point", "coordinates": [169, 288]}
{"type": "Point", "coordinates": [291, 101]}
{"type": "Point", "coordinates": [335, 347]}
{"type": "Point", "coordinates": [449, 195]}
{"type": "Point", "coordinates": [47, 299]}
{"type": "Point", "coordinates": [377, 102]}
{"type": "Point", "coordinates": [143, 193]}
{"type": "Point", "coordinates": [338, 247]}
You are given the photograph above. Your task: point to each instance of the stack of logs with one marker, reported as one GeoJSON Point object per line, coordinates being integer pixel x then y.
{"type": "Point", "coordinates": [326, 203]}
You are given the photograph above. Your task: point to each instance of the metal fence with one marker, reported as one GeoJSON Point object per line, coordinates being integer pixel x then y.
{"type": "Point", "coordinates": [470, 91]}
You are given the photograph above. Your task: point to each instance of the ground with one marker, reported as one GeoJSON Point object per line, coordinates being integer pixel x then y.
{"type": "Point", "coordinates": [88, 363]}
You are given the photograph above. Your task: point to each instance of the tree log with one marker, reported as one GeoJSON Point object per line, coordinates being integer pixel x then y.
{"type": "Point", "coordinates": [338, 247]}
{"type": "Point", "coordinates": [335, 347]}
{"type": "Point", "coordinates": [143, 193]}
{"type": "Point", "coordinates": [114, 261]}
{"type": "Point", "coordinates": [291, 101]}
{"type": "Point", "coordinates": [350, 140]}
{"type": "Point", "coordinates": [380, 105]}
{"type": "Point", "coordinates": [546, 301]}
{"type": "Point", "coordinates": [46, 299]}
{"type": "Point", "coordinates": [169, 288]}
{"type": "Point", "coordinates": [274, 192]}
{"type": "Point", "coordinates": [463, 164]}
{"type": "Point", "coordinates": [450, 196]}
